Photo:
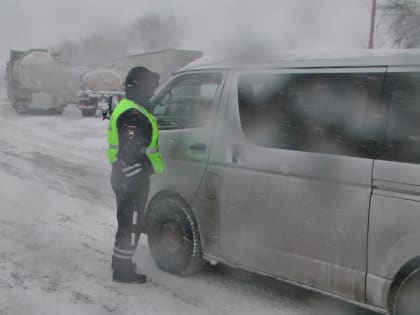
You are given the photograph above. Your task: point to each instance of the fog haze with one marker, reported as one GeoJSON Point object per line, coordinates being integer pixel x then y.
{"type": "Point", "coordinates": [207, 25]}
{"type": "Point", "coordinates": [58, 212]}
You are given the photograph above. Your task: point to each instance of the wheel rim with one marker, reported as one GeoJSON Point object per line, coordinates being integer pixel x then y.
{"type": "Point", "coordinates": [171, 237]}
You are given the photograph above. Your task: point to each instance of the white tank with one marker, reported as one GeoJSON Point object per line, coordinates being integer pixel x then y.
{"type": "Point", "coordinates": [104, 79]}
{"type": "Point", "coordinates": [38, 71]}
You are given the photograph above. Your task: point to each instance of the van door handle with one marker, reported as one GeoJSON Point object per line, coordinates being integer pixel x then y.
{"type": "Point", "coordinates": [233, 153]}
{"type": "Point", "coordinates": [200, 146]}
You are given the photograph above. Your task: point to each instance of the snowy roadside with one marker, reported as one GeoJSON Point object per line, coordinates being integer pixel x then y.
{"type": "Point", "coordinates": [57, 224]}
{"type": "Point", "coordinates": [57, 235]}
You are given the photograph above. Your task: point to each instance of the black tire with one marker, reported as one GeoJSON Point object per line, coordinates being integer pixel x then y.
{"type": "Point", "coordinates": [56, 111]}
{"type": "Point", "coordinates": [19, 109]}
{"type": "Point", "coordinates": [88, 112]}
{"type": "Point", "coordinates": [406, 299]}
{"type": "Point", "coordinates": [173, 236]}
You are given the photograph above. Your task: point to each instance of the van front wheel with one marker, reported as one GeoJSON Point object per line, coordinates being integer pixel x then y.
{"type": "Point", "coordinates": [406, 300]}
{"type": "Point", "coordinates": [173, 236]}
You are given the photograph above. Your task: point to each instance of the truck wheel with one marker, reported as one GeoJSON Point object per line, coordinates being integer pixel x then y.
{"type": "Point", "coordinates": [173, 236]}
{"type": "Point", "coordinates": [88, 112]}
{"type": "Point", "coordinates": [406, 299]}
{"type": "Point", "coordinates": [19, 109]}
{"type": "Point", "coordinates": [56, 111]}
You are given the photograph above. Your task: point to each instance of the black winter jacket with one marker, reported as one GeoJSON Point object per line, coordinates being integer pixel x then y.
{"type": "Point", "coordinates": [135, 134]}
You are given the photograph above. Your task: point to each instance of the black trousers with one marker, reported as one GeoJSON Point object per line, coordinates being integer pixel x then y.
{"type": "Point", "coordinates": [131, 194]}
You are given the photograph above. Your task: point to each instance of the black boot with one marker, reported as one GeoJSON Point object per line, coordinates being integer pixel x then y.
{"type": "Point", "coordinates": [125, 271]}
{"type": "Point", "coordinates": [133, 266]}
{"type": "Point", "coordinates": [128, 277]}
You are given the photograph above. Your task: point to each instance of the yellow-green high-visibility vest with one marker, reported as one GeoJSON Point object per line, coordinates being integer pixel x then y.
{"type": "Point", "coordinates": [152, 152]}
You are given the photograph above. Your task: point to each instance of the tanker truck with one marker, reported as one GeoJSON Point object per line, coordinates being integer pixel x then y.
{"type": "Point", "coordinates": [37, 80]}
{"type": "Point", "coordinates": [165, 62]}
{"type": "Point", "coordinates": [98, 86]}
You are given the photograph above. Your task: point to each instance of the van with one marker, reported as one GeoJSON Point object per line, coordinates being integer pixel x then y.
{"type": "Point", "coordinates": [302, 168]}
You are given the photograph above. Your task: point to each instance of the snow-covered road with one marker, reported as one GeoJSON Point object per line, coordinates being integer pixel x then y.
{"type": "Point", "coordinates": [57, 224]}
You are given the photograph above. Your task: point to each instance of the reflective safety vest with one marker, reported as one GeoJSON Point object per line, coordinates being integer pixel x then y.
{"type": "Point", "coordinates": [152, 152]}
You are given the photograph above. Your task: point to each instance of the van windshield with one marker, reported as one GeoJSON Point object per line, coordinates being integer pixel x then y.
{"type": "Point", "coordinates": [187, 101]}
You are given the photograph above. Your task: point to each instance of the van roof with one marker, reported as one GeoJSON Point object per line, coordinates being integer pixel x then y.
{"type": "Point", "coordinates": [309, 59]}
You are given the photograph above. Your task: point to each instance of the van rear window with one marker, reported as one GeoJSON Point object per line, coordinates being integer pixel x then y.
{"type": "Point", "coordinates": [402, 95]}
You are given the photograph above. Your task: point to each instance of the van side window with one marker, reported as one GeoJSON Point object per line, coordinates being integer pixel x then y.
{"type": "Point", "coordinates": [334, 113]}
{"type": "Point", "coordinates": [402, 142]}
{"type": "Point", "coordinates": [187, 101]}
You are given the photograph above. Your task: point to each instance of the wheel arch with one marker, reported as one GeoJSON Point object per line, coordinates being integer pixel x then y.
{"type": "Point", "coordinates": [405, 270]}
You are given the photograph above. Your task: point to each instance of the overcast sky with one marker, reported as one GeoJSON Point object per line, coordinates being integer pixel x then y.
{"type": "Point", "coordinates": [340, 24]}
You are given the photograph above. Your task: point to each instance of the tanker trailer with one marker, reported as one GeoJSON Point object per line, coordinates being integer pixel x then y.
{"type": "Point", "coordinates": [37, 80]}
{"type": "Point", "coordinates": [165, 62]}
{"type": "Point", "coordinates": [98, 86]}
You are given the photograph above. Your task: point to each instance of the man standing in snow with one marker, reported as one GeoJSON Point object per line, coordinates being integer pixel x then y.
{"type": "Point", "coordinates": [133, 139]}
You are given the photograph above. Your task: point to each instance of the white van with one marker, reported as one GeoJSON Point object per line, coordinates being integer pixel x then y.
{"type": "Point", "coordinates": [304, 169]}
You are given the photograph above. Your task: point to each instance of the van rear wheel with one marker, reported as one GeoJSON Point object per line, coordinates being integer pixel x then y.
{"type": "Point", "coordinates": [173, 237]}
{"type": "Point", "coordinates": [406, 300]}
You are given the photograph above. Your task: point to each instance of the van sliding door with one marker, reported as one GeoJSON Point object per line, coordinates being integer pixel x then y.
{"type": "Point", "coordinates": [394, 237]}
{"type": "Point", "coordinates": [297, 171]}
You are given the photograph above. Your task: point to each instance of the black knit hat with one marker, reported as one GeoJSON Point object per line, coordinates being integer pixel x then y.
{"type": "Point", "coordinates": [140, 75]}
